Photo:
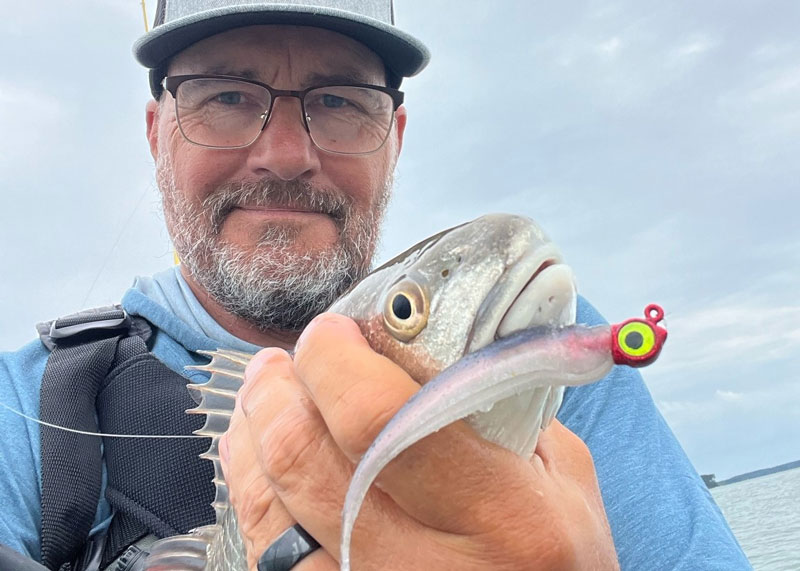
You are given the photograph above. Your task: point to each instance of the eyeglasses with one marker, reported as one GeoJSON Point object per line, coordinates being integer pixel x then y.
{"type": "Point", "coordinates": [227, 112]}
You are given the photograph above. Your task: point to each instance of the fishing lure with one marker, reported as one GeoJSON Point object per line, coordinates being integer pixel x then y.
{"type": "Point", "coordinates": [570, 355]}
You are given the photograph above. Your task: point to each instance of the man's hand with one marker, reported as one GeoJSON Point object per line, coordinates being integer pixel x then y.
{"type": "Point", "coordinates": [451, 501]}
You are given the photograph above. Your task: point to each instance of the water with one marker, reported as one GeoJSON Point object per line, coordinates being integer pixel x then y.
{"type": "Point", "coordinates": [764, 514]}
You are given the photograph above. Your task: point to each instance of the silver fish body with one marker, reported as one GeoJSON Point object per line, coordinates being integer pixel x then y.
{"type": "Point", "coordinates": [446, 297]}
{"type": "Point", "coordinates": [572, 355]}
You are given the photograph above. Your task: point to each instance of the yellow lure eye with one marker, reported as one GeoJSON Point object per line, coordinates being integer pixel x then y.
{"type": "Point", "coordinates": [636, 338]}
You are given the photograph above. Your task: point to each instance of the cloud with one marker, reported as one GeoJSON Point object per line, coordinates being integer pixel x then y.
{"type": "Point", "coordinates": [729, 395]}
{"type": "Point", "coordinates": [731, 432]}
{"type": "Point", "coordinates": [709, 411]}
{"type": "Point", "coordinates": [735, 328]}
{"type": "Point", "coordinates": [765, 109]}
{"type": "Point", "coordinates": [31, 119]}
{"type": "Point", "coordinates": [770, 51]}
{"type": "Point", "coordinates": [25, 109]}
{"type": "Point", "coordinates": [781, 85]}
{"type": "Point", "coordinates": [694, 46]}
{"type": "Point", "coordinates": [610, 47]}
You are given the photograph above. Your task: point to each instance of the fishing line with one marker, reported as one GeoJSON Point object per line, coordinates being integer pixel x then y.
{"type": "Point", "coordinates": [135, 208]}
{"type": "Point", "coordinates": [103, 434]}
{"type": "Point", "coordinates": [114, 245]}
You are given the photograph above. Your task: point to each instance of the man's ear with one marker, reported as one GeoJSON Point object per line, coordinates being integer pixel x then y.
{"type": "Point", "coordinates": [151, 118]}
{"type": "Point", "coordinates": [400, 118]}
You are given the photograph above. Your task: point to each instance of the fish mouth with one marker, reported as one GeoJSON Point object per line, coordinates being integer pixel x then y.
{"type": "Point", "coordinates": [537, 290]}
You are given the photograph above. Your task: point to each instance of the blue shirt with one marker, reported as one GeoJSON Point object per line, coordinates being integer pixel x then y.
{"type": "Point", "coordinates": [661, 514]}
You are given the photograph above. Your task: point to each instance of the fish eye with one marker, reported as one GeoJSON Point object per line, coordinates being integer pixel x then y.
{"type": "Point", "coordinates": [401, 306]}
{"type": "Point", "coordinates": [405, 310]}
{"type": "Point", "coordinates": [636, 338]}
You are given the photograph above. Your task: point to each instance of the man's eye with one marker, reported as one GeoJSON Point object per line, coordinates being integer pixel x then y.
{"type": "Point", "coordinates": [333, 101]}
{"type": "Point", "coordinates": [229, 98]}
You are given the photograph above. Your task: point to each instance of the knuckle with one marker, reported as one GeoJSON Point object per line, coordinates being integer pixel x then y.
{"type": "Point", "coordinates": [584, 459]}
{"type": "Point", "coordinates": [576, 450]}
{"type": "Point", "coordinates": [582, 450]}
{"type": "Point", "coordinates": [253, 506]}
{"type": "Point", "coordinates": [291, 445]}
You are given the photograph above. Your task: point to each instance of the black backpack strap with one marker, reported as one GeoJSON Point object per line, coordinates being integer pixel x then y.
{"type": "Point", "coordinates": [102, 377]}
{"type": "Point", "coordinates": [158, 487]}
{"type": "Point", "coordinates": [83, 347]}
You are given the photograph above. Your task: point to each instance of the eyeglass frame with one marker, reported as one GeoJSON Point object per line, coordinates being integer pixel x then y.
{"type": "Point", "coordinates": [173, 82]}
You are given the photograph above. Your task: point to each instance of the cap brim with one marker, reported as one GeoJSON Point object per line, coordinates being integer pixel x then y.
{"type": "Point", "coordinates": [403, 54]}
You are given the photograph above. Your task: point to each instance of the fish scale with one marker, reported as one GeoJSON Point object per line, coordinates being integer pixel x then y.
{"type": "Point", "coordinates": [498, 272]}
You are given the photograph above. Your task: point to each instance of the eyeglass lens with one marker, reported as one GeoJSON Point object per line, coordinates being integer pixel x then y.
{"type": "Point", "coordinates": [227, 113]}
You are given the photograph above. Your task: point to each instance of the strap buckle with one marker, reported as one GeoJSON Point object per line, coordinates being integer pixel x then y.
{"type": "Point", "coordinates": [80, 323]}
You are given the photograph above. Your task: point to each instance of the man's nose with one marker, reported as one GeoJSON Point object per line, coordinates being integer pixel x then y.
{"type": "Point", "coordinates": [284, 148]}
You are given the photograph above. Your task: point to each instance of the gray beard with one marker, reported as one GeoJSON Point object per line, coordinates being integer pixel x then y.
{"type": "Point", "coordinates": [273, 286]}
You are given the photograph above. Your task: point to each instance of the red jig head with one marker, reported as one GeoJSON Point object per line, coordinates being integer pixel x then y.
{"type": "Point", "coordinates": [637, 342]}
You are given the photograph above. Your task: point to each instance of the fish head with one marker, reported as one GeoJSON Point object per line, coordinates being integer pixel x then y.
{"type": "Point", "coordinates": [459, 290]}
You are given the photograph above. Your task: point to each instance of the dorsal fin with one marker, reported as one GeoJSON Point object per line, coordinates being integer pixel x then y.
{"type": "Point", "coordinates": [198, 549]}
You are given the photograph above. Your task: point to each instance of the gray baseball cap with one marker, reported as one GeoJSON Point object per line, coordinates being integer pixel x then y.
{"type": "Point", "coordinates": [180, 23]}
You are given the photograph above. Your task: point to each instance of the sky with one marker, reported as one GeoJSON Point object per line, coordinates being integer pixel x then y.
{"type": "Point", "coordinates": [656, 142]}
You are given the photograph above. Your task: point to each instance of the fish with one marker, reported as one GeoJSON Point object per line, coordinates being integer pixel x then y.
{"type": "Point", "coordinates": [454, 294]}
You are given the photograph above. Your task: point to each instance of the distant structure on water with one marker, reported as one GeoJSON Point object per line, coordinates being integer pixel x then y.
{"type": "Point", "coordinates": [711, 481]}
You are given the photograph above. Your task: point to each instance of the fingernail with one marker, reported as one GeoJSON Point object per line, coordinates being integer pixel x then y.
{"type": "Point", "coordinates": [304, 335]}
{"type": "Point", "coordinates": [315, 323]}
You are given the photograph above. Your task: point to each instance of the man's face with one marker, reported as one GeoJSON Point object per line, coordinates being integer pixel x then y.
{"type": "Point", "coordinates": [276, 231]}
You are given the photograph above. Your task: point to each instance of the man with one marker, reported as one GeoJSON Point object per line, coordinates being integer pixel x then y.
{"type": "Point", "coordinates": [273, 204]}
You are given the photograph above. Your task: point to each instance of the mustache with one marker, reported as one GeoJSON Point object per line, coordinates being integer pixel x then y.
{"type": "Point", "coordinates": [291, 194]}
